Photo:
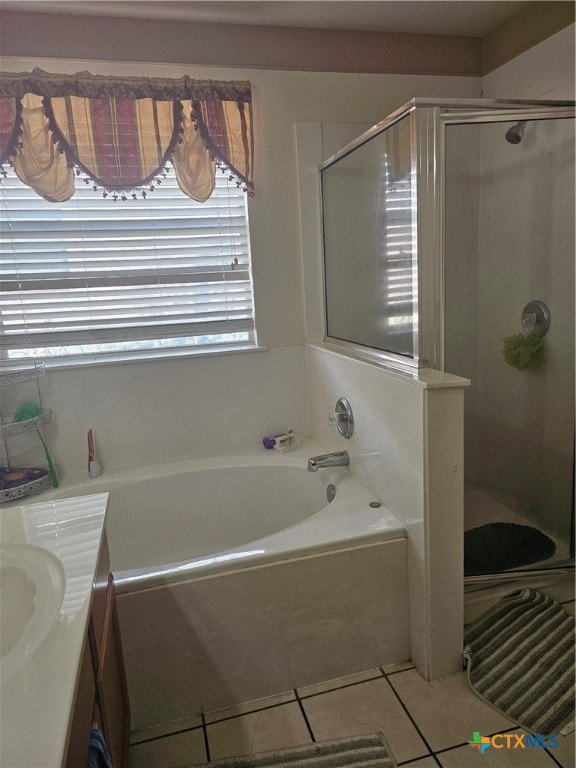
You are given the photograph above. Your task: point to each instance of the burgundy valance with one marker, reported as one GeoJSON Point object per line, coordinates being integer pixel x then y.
{"type": "Point", "coordinates": [121, 132]}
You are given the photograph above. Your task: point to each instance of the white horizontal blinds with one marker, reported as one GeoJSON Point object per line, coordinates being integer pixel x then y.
{"type": "Point", "coordinates": [398, 279]}
{"type": "Point", "coordinates": [96, 271]}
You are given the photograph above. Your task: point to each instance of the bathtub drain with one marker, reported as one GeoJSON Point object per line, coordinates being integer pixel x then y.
{"type": "Point", "coordinates": [330, 492]}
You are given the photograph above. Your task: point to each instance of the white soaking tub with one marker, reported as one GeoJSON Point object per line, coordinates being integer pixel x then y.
{"type": "Point", "coordinates": [236, 578]}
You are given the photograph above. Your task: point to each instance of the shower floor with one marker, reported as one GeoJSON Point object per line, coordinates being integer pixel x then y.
{"type": "Point", "coordinates": [481, 507]}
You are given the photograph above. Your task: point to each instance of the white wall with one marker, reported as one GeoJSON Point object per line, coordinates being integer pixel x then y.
{"type": "Point", "coordinates": [545, 71]}
{"type": "Point", "coordinates": [159, 410]}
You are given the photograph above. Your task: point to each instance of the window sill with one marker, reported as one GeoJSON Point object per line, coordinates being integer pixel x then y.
{"type": "Point", "coordinates": [149, 356]}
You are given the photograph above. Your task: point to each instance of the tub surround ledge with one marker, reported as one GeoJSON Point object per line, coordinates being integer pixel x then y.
{"type": "Point", "coordinates": [424, 378]}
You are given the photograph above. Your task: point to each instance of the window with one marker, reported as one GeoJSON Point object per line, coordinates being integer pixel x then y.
{"type": "Point", "coordinates": [144, 276]}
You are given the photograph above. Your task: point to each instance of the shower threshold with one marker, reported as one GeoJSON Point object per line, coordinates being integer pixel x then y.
{"type": "Point", "coordinates": [557, 569]}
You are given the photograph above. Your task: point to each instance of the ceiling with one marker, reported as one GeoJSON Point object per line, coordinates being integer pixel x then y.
{"type": "Point", "coordinates": [441, 17]}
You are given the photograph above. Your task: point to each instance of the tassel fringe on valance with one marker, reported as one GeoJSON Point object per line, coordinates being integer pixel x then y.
{"type": "Point", "coordinates": [121, 133]}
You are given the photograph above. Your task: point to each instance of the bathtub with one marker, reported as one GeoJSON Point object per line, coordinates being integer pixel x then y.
{"type": "Point", "coordinates": [236, 578]}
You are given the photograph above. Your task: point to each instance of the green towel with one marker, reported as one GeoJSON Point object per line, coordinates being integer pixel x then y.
{"type": "Point", "coordinates": [523, 350]}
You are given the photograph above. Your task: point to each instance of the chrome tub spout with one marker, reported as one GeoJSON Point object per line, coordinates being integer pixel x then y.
{"type": "Point", "coordinates": [338, 459]}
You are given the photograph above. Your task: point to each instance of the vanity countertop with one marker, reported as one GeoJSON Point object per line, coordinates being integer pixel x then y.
{"type": "Point", "coordinates": [49, 555]}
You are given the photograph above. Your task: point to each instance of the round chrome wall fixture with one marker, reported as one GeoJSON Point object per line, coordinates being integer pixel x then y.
{"type": "Point", "coordinates": [536, 318]}
{"type": "Point", "coordinates": [343, 418]}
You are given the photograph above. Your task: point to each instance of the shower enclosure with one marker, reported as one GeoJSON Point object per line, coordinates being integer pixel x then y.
{"type": "Point", "coordinates": [449, 243]}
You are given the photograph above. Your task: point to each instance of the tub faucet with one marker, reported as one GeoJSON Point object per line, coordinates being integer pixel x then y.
{"type": "Point", "coordinates": [338, 459]}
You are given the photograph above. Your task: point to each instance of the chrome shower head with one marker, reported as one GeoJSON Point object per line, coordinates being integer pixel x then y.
{"type": "Point", "coordinates": [515, 134]}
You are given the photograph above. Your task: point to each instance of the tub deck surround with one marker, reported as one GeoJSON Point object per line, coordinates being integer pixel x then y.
{"type": "Point", "coordinates": [38, 686]}
{"type": "Point", "coordinates": [210, 643]}
{"type": "Point", "coordinates": [236, 578]}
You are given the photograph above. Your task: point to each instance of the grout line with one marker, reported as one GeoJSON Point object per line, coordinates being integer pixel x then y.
{"type": "Point", "coordinates": [417, 760]}
{"type": "Point", "coordinates": [305, 716]}
{"type": "Point", "coordinates": [405, 708]}
{"type": "Point", "coordinates": [339, 687]}
{"type": "Point", "coordinates": [554, 759]}
{"type": "Point", "coordinates": [465, 743]}
{"type": "Point", "coordinates": [165, 735]}
{"type": "Point", "coordinates": [396, 671]}
{"type": "Point", "coordinates": [250, 711]}
{"type": "Point", "coordinates": [205, 734]}
{"type": "Point", "coordinates": [503, 730]}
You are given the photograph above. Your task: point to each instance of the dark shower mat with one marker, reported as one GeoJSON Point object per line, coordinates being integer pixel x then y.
{"type": "Point", "coordinates": [496, 547]}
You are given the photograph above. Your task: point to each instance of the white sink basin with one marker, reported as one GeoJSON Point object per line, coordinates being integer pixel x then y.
{"type": "Point", "coordinates": [32, 585]}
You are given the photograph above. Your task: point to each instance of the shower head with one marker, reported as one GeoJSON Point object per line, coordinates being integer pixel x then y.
{"type": "Point", "coordinates": [515, 134]}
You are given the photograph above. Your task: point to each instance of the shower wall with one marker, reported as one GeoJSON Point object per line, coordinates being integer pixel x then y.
{"type": "Point", "coordinates": [510, 239]}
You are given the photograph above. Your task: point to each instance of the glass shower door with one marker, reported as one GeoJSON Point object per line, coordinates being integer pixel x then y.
{"type": "Point", "coordinates": [369, 244]}
{"type": "Point", "coordinates": [509, 247]}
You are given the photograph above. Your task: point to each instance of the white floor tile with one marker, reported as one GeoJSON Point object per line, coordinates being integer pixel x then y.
{"type": "Point", "coordinates": [277, 728]}
{"type": "Point", "coordinates": [565, 752]}
{"type": "Point", "coordinates": [183, 749]}
{"type": "Point", "coordinates": [165, 729]}
{"type": "Point", "coordinates": [446, 711]}
{"type": "Point", "coordinates": [339, 682]}
{"type": "Point", "coordinates": [369, 707]}
{"type": "Point", "coordinates": [470, 757]}
{"type": "Point", "coordinates": [249, 706]}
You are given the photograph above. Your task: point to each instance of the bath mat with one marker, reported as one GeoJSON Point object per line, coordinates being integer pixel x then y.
{"type": "Point", "coordinates": [520, 659]}
{"type": "Point", "coordinates": [497, 547]}
{"type": "Point", "coordinates": [356, 752]}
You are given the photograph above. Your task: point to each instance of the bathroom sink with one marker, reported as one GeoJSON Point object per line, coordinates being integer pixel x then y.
{"type": "Point", "coordinates": [32, 585]}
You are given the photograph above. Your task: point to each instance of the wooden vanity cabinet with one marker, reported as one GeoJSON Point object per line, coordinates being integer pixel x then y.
{"type": "Point", "coordinates": [112, 716]}
{"type": "Point", "coordinates": [102, 695]}
{"type": "Point", "coordinates": [79, 736]}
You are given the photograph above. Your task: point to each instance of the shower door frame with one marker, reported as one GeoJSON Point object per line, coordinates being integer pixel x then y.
{"type": "Point", "coordinates": [354, 349]}
{"type": "Point", "coordinates": [432, 209]}
{"type": "Point", "coordinates": [428, 120]}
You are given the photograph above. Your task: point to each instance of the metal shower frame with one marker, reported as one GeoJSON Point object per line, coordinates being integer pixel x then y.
{"type": "Point", "coordinates": [428, 121]}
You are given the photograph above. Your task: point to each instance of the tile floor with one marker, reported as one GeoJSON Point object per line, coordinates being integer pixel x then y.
{"type": "Point", "coordinates": [426, 724]}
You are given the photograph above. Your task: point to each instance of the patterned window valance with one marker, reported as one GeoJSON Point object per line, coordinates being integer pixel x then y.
{"type": "Point", "coordinates": [121, 132]}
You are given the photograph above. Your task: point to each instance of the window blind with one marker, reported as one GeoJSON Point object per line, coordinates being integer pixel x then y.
{"type": "Point", "coordinates": [94, 276]}
{"type": "Point", "coordinates": [398, 288]}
